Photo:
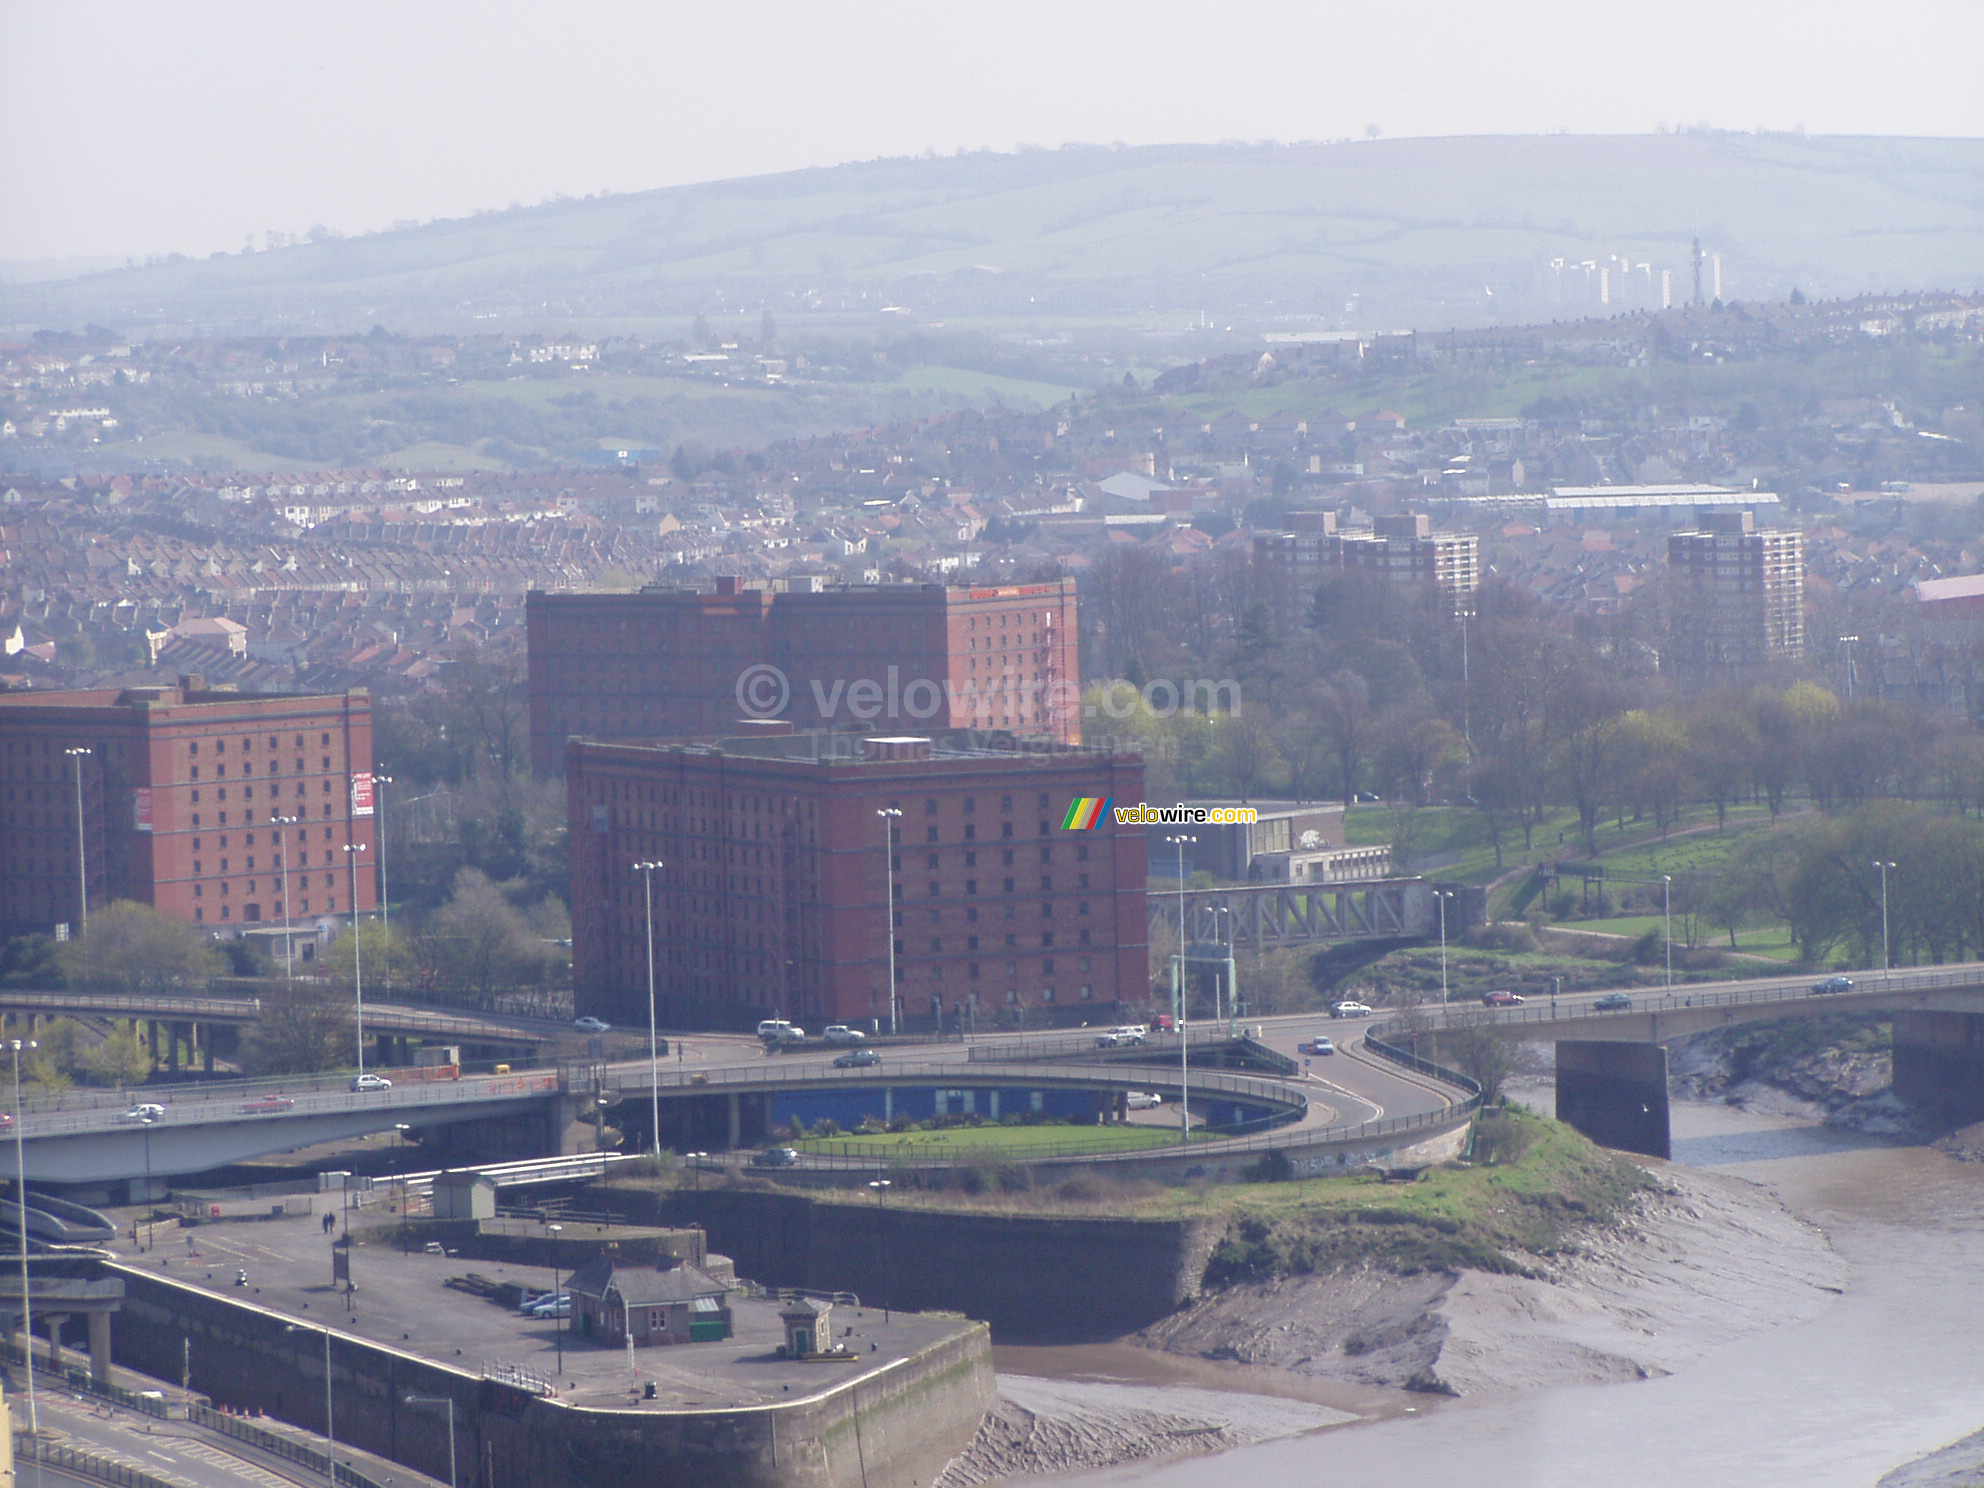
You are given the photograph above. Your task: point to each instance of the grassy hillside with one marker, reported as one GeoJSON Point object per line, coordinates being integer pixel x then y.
{"type": "Point", "coordinates": [1428, 231]}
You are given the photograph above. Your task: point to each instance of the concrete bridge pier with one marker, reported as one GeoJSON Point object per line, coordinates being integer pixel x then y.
{"type": "Point", "coordinates": [1939, 1062]}
{"type": "Point", "coordinates": [1615, 1093]}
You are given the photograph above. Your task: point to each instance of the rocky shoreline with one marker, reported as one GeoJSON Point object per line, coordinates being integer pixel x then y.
{"type": "Point", "coordinates": [1705, 1259]}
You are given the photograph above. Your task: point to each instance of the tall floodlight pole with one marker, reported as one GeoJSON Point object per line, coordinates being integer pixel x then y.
{"type": "Point", "coordinates": [1887, 962]}
{"type": "Point", "coordinates": [1178, 1005]}
{"type": "Point", "coordinates": [21, 1194]}
{"type": "Point", "coordinates": [82, 844]}
{"type": "Point", "coordinates": [646, 870]}
{"type": "Point", "coordinates": [1849, 642]}
{"type": "Point", "coordinates": [1667, 923]}
{"type": "Point", "coordinates": [282, 825]}
{"type": "Point", "coordinates": [379, 784]}
{"type": "Point", "coordinates": [351, 852]}
{"type": "Point", "coordinates": [330, 1420]}
{"type": "Point", "coordinates": [890, 815]}
{"type": "Point", "coordinates": [448, 1401]}
{"type": "Point", "coordinates": [1440, 897]}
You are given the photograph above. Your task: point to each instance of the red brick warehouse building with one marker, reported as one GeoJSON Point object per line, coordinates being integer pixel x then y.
{"type": "Point", "coordinates": [902, 658]}
{"type": "Point", "coordinates": [772, 899]}
{"type": "Point", "coordinates": [179, 786]}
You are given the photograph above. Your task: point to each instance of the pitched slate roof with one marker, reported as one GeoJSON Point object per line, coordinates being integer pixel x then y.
{"type": "Point", "coordinates": [643, 1286]}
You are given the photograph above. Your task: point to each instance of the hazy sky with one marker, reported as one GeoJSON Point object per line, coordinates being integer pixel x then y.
{"type": "Point", "coordinates": [134, 126]}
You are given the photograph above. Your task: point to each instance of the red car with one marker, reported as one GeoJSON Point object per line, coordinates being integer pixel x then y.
{"type": "Point", "coordinates": [267, 1105]}
{"type": "Point", "coordinates": [1500, 999]}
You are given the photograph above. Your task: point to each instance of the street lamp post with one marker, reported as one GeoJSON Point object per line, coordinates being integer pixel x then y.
{"type": "Point", "coordinates": [558, 1323]}
{"type": "Point", "coordinates": [1440, 897]}
{"type": "Point", "coordinates": [402, 1128]}
{"type": "Point", "coordinates": [1887, 962]}
{"type": "Point", "coordinates": [890, 815]}
{"type": "Point", "coordinates": [1178, 1002]}
{"type": "Point", "coordinates": [448, 1401]}
{"type": "Point", "coordinates": [351, 852]}
{"type": "Point", "coordinates": [82, 845]}
{"type": "Point", "coordinates": [282, 825]}
{"type": "Point", "coordinates": [330, 1418]}
{"type": "Point", "coordinates": [379, 784]}
{"type": "Point", "coordinates": [696, 1169]}
{"type": "Point", "coordinates": [21, 1195]}
{"type": "Point", "coordinates": [646, 870]}
{"type": "Point", "coordinates": [880, 1187]}
{"type": "Point", "coordinates": [1667, 923]}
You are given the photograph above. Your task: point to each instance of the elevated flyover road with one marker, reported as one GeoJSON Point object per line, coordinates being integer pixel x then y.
{"type": "Point", "coordinates": [91, 1136]}
{"type": "Point", "coordinates": [400, 1018]}
{"type": "Point", "coordinates": [1657, 1014]}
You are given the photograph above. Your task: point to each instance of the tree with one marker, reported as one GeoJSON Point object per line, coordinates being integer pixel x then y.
{"type": "Point", "coordinates": [478, 946]}
{"type": "Point", "coordinates": [131, 947]}
{"type": "Point", "coordinates": [120, 1058]}
{"type": "Point", "coordinates": [1343, 717]}
{"type": "Point", "coordinates": [384, 953]}
{"type": "Point", "coordinates": [303, 1029]}
{"type": "Point", "coordinates": [1483, 1057]}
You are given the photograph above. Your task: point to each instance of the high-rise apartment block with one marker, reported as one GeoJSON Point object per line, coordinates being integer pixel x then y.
{"type": "Point", "coordinates": [1738, 592]}
{"type": "Point", "coordinates": [180, 790]}
{"type": "Point", "coordinates": [773, 896]}
{"type": "Point", "coordinates": [1403, 549]}
{"type": "Point", "coordinates": [670, 663]}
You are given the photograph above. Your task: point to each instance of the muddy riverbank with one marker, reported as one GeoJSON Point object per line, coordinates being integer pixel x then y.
{"type": "Point", "coordinates": [1870, 1384]}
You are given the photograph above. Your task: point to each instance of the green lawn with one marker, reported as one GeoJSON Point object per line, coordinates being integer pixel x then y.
{"type": "Point", "coordinates": [998, 1143]}
{"type": "Point", "coordinates": [991, 387]}
{"type": "Point", "coordinates": [1762, 940]}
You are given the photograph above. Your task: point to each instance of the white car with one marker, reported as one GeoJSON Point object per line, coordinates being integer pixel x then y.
{"type": "Point", "coordinates": [1142, 1100]}
{"type": "Point", "coordinates": [370, 1082]}
{"type": "Point", "coordinates": [840, 1033]}
{"type": "Point", "coordinates": [1350, 1010]}
{"type": "Point", "coordinates": [591, 1025]}
{"type": "Point", "coordinates": [146, 1111]}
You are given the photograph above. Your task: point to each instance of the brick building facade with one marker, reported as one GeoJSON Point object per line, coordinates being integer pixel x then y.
{"type": "Point", "coordinates": [683, 664]}
{"type": "Point", "coordinates": [772, 900]}
{"type": "Point", "coordinates": [1401, 549]}
{"type": "Point", "coordinates": [178, 789]}
{"type": "Point", "coordinates": [1738, 593]}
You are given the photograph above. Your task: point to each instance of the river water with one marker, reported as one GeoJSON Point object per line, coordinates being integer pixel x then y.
{"type": "Point", "coordinates": [1893, 1370]}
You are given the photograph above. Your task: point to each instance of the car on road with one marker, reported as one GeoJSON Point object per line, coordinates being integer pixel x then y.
{"type": "Point", "coordinates": [143, 1111]}
{"type": "Point", "coordinates": [1833, 984]}
{"type": "Point", "coordinates": [1350, 1010]}
{"type": "Point", "coordinates": [591, 1025]}
{"type": "Point", "coordinates": [1500, 998]}
{"type": "Point", "coordinates": [776, 1157]}
{"type": "Point", "coordinates": [1142, 1100]}
{"type": "Point", "coordinates": [1322, 1043]}
{"type": "Point", "coordinates": [267, 1105]}
{"type": "Point", "coordinates": [781, 1032]}
{"type": "Point", "coordinates": [1119, 1038]}
{"type": "Point", "coordinates": [370, 1082]}
{"type": "Point", "coordinates": [857, 1059]}
{"type": "Point", "coordinates": [1613, 1002]}
{"type": "Point", "coordinates": [840, 1033]}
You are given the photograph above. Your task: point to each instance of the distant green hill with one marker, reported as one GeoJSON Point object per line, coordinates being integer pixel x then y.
{"type": "Point", "coordinates": [1427, 232]}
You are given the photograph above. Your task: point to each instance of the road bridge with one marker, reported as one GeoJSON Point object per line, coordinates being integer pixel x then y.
{"type": "Point", "coordinates": [1612, 1062]}
{"type": "Point", "coordinates": [1267, 916]}
{"type": "Point", "coordinates": [190, 1018]}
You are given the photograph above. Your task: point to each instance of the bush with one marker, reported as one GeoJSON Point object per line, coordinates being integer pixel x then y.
{"type": "Point", "coordinates": [1513, 936]}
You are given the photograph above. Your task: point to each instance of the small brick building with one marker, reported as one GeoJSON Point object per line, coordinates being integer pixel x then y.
{"type": "Point", "coordinates": [665, 1303]}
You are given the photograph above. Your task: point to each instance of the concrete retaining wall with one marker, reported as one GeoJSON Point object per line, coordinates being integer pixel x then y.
{"type": "Point", "coordinates": [891, 1430]}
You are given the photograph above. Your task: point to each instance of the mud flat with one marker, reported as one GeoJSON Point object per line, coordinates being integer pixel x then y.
{"type": "Point", "coordinates": [1706, 1259]}
{"type": "Point", "coordinates": [1062, 1426]}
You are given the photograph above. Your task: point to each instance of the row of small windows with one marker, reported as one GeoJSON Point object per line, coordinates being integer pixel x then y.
{"type": "Point", "coordinates": [275, 742]}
